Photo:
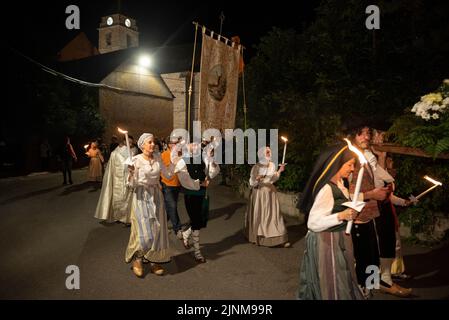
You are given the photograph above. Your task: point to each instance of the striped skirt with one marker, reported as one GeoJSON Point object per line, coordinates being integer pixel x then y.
{"type": "Point", "coordinates": [327, 270]}
{"type": "Point", "coordinates": [149, 231]}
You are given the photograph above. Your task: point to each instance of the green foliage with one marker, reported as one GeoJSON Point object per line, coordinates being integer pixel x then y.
{"type": "Point", "coordinates": [441, 146]}
{"type": "Point", "coordinates": [416, 218]}
{"type": "Point", "coordinates": [290, 177]}
{"type": "Point", "coordinates": [67, 109]}
{"type": "Point", "coordinates": [409, 180]}
{"type": "Point", "coordinates": [312, 83]}
{"type": "Point", "coordinates": [430, 135]}
{"type": "Point", "coordinates": [309, 84]}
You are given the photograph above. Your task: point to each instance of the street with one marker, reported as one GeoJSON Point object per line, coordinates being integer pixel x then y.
{"type": "Point", "coordinates": [45, 227]}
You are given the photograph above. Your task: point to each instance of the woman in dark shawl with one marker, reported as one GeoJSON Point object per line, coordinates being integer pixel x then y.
{"type": "Point", "coordinates": [327, 270]}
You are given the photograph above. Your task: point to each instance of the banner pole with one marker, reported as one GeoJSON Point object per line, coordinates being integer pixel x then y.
{"type": "Point", "coordinates": [191, 79]}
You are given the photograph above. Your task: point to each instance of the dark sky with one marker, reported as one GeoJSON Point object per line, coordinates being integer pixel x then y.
{"type": "Point", "coordinates": [38, 28]}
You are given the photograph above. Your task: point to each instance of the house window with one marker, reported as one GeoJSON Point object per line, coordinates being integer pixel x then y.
{"type": "Point", "coordinates": [108, 39]}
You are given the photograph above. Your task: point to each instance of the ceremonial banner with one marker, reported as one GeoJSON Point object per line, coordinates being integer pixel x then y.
{"type": "Point", "coordinates": [218, 84]}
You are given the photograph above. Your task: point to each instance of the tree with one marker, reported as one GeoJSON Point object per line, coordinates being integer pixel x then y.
{"type": "Point", "coordinates": [308, 84]}
{"type": "Point", "coordinates": [41, 105]}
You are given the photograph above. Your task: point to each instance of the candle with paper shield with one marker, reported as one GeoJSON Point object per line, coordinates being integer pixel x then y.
{"type": "Point", "coordinates": [285, 148]}
{"type": "Point", "coordinates": [355, 204]}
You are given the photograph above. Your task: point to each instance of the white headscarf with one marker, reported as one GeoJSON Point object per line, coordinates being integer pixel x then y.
{"type": "Point", "coordinates": [261, 153]}
{"type": "Point", "coordinates": [144, 137]}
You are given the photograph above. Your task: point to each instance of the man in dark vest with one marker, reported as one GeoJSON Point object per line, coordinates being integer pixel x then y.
{"type": "Point", "coordinates": [373, 242]}
{"type": "Point", "coordinates": [200, 165]}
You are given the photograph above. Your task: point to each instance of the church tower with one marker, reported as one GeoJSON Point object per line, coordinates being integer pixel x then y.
{"type": "Point", "coordinates": [117, 32]}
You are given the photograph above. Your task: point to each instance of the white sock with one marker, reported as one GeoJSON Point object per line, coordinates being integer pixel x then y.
{"type": "Point", "coordinates": [196, 243]}
{"type": "Point", "coordinates": [186, 234]}
{"type": "Point", "coordinates": [385, 269]}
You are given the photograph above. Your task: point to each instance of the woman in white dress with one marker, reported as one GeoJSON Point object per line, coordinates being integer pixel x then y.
{"type": "Point", "coordinates": [264, 224]}
{"type": "Point", "coordinates": [149, 232]}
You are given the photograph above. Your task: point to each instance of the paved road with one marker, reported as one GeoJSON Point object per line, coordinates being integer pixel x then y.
{"type": "Point", "coordinates": [45, 227]}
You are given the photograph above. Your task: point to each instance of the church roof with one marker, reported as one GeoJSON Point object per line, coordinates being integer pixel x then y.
{"type": "Point", "coordinates": [165, 59]}
{"type": "Point", "coordinates": [97, 68]}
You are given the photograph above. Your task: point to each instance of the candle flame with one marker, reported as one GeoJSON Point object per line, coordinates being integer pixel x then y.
{"type": "Point", "coordinates": [362, 158]}
{"type": "Point", "coordinates": [284, 139]}
{"type": "Point", "coordinates": [86, 146]}
{"type": "Point", "coordinates": [433, 181]}
{"type": "Point", "coordinates": [122, 131]}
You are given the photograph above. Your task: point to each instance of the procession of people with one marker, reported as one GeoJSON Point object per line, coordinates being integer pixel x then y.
{"type": "Point", "coordinates": [141, 190]}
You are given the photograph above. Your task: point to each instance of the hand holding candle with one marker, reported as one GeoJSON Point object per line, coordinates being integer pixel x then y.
{"type": "Point", "coordinates": [435, 184]}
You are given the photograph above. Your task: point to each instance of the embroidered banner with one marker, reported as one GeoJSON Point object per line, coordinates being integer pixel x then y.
{"type": "Point", "coordinates": [218, 84]}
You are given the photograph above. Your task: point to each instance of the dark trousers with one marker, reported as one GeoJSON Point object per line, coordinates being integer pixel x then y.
{"type": "Point", "coordinates": [67, 169]}
{"type": "Point", "coordinates": [194, 206]}
{"type": "Point", "coordinates": [366, 250]}
{"type": "Point", "coordinates": [386, 230]}
{"type": "Point", "coordinates": [171, 205]}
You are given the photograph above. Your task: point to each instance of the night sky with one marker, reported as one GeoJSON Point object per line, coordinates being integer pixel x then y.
{"type": "Point", "coordinates": [39, 27]}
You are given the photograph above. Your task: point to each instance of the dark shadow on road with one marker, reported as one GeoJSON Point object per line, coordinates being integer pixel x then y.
{"type": "Point", "coordinates": [229, 211]}
{"type": "Point", "coordinates": [211, 251]}
{"type": "Point", "coordinates": [296, 232]}
{"type": "Point", "coordinates": [429, 269]}
{"type": "Point", "coordinates": [214, 251]}
{"type": "Point", "coordinates": [29, 195]}
{"type": "Point", "coordinates": [181, 263]}
{"type": "Point", "coordinates": [95, 186]}
{"type": "Point", "coordinates": [107, 224]}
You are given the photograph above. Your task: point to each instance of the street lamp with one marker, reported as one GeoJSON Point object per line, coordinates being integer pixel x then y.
{"type": "Point", "coordinates": [145, 61]}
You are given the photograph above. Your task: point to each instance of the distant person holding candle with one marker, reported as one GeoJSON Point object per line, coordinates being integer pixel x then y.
{"type": "Point", "coordinates": [95, 164]}
{"type": "Point", "coordinates": [264, 224]}
{"type": "Point", "coordinates": [373, 231]}
{"type": "Point", "coordinates": [67, 155]}
{"type": "Point", "coordinates": [327, 270]}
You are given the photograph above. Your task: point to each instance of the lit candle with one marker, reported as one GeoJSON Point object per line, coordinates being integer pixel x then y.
{"type": "Point", "coordinates": [285, 148]}
{"type": "Point", "coordinates": [435, 184]}
{"type": "Point", "coordinates": [127, 141]}
{"type": "Point", "coordinates": [355, 204]}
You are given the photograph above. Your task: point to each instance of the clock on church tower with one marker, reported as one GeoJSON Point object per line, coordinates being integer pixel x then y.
{"type": "Point", "coordinates": [117, 32]}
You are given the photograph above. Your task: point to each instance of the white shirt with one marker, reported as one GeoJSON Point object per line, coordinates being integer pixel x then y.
{"type": "Point", "coordinates": [147, 173]}
{"type": "Point", "coordinates": [268, 172]}
{"type": "Point", "coordinates": [320, 216]}
{"type": "Point", "coordinates": [214, 168]}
